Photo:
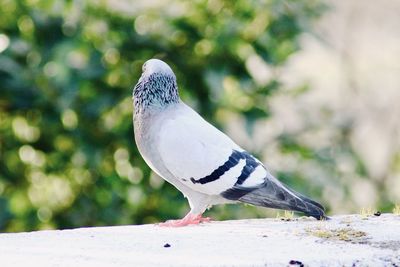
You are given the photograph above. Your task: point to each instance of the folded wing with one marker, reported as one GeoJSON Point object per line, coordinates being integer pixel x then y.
{"type": "Point", "coordinates": [204, 158]}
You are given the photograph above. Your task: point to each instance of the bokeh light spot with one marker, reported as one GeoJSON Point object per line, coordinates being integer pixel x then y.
{"type": "Point", "coordinates": [4, 42]}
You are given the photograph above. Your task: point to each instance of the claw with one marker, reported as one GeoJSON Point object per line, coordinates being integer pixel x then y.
{"type": "Point", "coordinates": [187, 220]}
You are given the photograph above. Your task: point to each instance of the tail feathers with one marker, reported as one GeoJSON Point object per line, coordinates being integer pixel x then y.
{"type": "Point", "coordinates": [306, 199]}
{"type": "Point", "coordinates": [275, 195]}
{"type": "Point", "coordinates": [312, 202]}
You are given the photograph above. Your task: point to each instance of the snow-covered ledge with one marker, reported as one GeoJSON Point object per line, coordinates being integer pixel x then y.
{"type": "Point", "coordinates": [352, 240]}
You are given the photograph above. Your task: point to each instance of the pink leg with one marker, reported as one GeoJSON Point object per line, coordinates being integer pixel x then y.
{"type": "Point", "coordinates": [187, 220]}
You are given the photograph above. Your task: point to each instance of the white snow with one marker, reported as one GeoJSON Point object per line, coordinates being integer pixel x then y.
{"type": "Point", "coordinates": [256, 242]}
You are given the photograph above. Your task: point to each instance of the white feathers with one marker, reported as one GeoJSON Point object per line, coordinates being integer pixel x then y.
{"type": "Point", "coordinates": [225, 181]}
{"type": "Point", "coordinates": [156, 66]}
{"type": "Point", "coordinates": [190, 147]}
{"type": "Point", "coordinates": [256, 178]}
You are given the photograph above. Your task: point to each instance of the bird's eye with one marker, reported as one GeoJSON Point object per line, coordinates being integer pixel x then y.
{"type": "Point", "coordinates": [144, 67]}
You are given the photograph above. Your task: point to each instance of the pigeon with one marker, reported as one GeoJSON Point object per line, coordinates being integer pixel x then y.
{"type": "Point", "coordinates": [197, 158]}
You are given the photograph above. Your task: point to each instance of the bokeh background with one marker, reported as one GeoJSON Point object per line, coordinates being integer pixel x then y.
{"type": "Point", "coordinates": [310, 87]}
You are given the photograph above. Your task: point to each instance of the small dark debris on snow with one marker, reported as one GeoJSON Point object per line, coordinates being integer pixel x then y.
{"type": "Point", "coordinates": [264, 236]}
{"type": "Point", "coordinates": [378, 213]}
{"type": "Point", "coordinates": [294, 262]}
{"type": "Point", "coordinates": [166, 245]}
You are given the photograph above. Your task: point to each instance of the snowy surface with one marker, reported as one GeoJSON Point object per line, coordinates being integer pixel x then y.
{"type": "Point", "coordinates": [351, 240]}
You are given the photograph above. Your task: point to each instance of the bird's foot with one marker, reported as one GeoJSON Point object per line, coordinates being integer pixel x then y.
{"type": "Point", "coordinates": [187, 220]}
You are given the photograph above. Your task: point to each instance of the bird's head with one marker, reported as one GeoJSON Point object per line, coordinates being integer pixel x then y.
{"type": "Point", "coordinates": [154, 65]}
{"type": "Point", "coordinates": [156, 88]}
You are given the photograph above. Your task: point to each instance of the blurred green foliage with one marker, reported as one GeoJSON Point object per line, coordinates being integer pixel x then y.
{"type": "Point", "coordinates": [67, 153]}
